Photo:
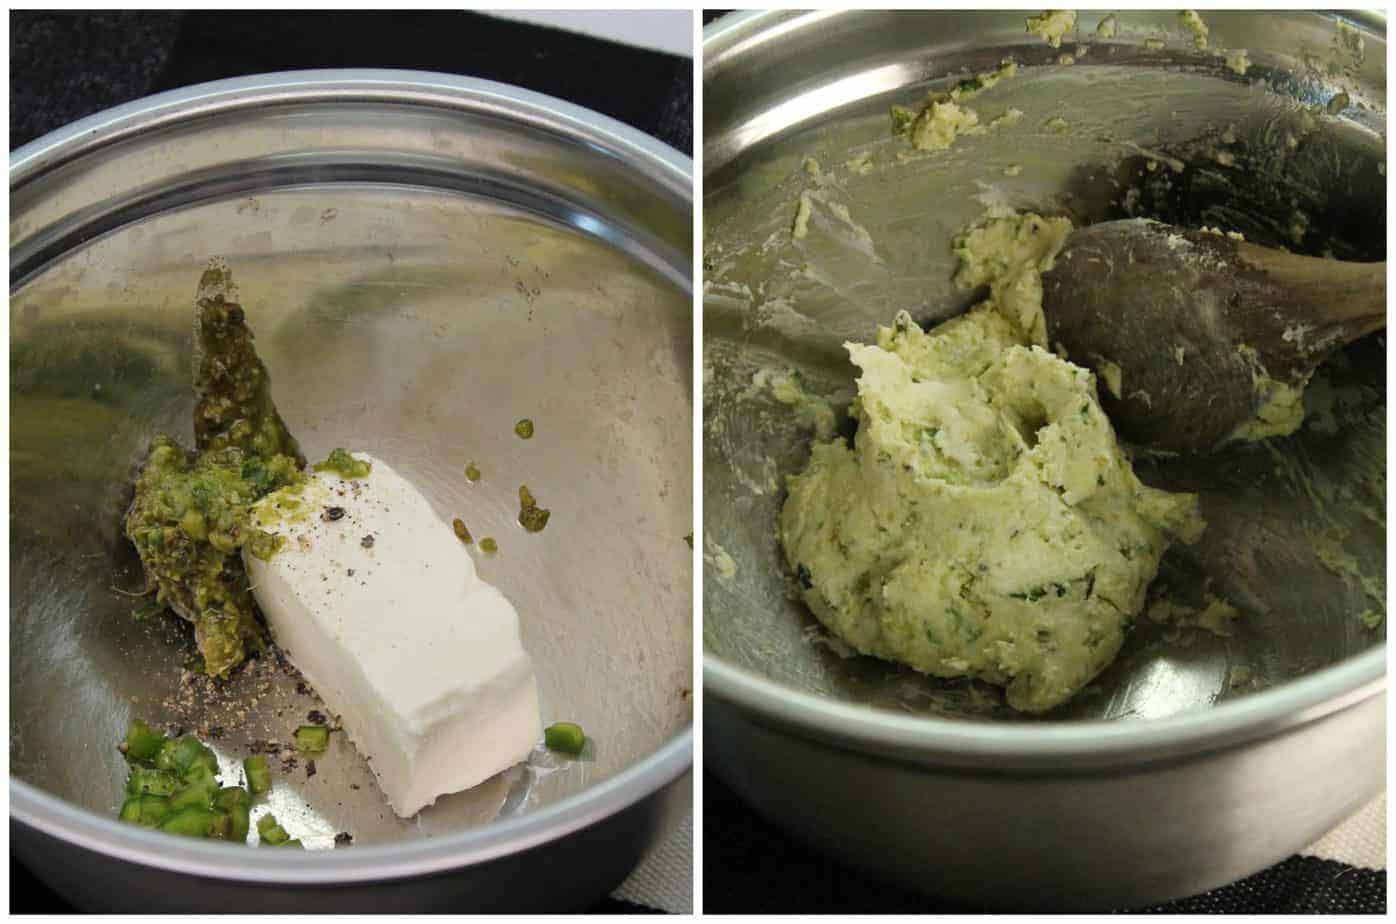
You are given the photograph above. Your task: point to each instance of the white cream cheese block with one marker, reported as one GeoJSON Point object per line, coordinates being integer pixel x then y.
{"type": "Point", "coordinates": [374, 599]}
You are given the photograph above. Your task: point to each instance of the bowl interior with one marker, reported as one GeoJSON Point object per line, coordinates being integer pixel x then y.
{"type": "Point", "coordinates": [1296, 535]}
{"type": "Point", "coordinates": [406, 316]}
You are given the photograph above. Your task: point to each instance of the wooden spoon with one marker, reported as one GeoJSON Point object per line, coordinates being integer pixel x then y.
{"type": "Point", "coordinates": [1163, 315]}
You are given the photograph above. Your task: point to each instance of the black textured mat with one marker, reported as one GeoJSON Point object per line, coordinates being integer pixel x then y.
{"type": "Point", "coordinates": [64, 66]}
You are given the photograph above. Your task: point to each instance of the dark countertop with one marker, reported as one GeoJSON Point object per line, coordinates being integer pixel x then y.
{"type": "Point", "coordinates": [64, 66]}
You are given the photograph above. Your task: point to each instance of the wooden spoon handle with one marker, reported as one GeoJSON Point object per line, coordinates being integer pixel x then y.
{"type": "Point", "coordinates": [1350, 295]}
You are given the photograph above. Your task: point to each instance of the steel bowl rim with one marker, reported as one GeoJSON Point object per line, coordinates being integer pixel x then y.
{"type": "Point", "coordinates": [648, 775]}
{"type": "Point", "coordinates": [655, 158]}
{"type": "Point", "coordinates": [1038, 745]}
{"type": "Point", "coordinates": [84, 828]}
{"type": "Point", "coordinates": [1041, 745]}
{"type": "Point", "coordinates": [725, 33]}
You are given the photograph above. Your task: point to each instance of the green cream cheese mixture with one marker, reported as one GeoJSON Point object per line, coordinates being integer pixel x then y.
{"type": "Point", "coordinates": [984, 522]}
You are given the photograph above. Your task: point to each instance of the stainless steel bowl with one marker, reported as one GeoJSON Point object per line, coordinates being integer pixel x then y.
{"type": "Point", "coordinates": [425, 259]}
{"type": "Point", "coordinates": [1195, 759]}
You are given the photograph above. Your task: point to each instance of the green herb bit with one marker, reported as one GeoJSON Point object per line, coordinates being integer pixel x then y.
{"type": "Point", "coordinates": [463, 534]}
{"type": "Point", "coordinates": [270, 831]}
{"type": "Point", "coordinates": [689, 540]}
{"type": "Point", "coordinates": [902, 118]}
{"type": "Point", "coordinates": [312, 738]}
{"type": "Point", "coordinates": [565, 737]}
{"type": "Point", "coordinates": [488, 545]}
{"type": "Point", "coordinates": [472, 473]}
{"type": "Point", "coordinates": [534, 519]}
{"type": "Point", "coordinates": [344, 465]}
{"type": "Point", "coordinates": [143, 743]}
{"type": "Point", "coordinates": [258, 774]}
{"type": "Point", "coordinates": [524, 428]}
{"type": "Point", "coordinates": [531, 517]}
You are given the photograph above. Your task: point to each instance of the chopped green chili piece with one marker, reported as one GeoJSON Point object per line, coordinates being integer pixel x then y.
{"type": "Point", "coordinates": [191, 822]}
{"type": "Point", "coordinates": [258, 774]}
{"type": "Point", "coordinates": [271, 831]}
{"type": "Point", "coordinates": [189, 752]}
{"type": "Point", "coordinates": [130, 810]}
{"type": "Point", "coordinates": [142, 742]}
{"type": "Point", "coordinates": [344, 465]}
{"type": "Point", "coordinates": [239, 824]}
{"type": "Point", "coordinates": [565, 737]}
{"type": "Point", "coordinates": [463, 534]}
{"type": "Point", "coordinates": [172, 785]}
{"type": "Point", "coordinates": [312, 738]}
{"type": "Point", "coordinates": [471, 472]}
{"type": "Point", "coordinates": [198, 794]}
{"type": "Point", "coordinates": [146, 811]}
{"type": "Point", "coordinates": [200, 774]}
{"type": "Point", "coordinates": [222, 827]}
{"type": "Point", "coordinates": [531, 517]}
{"type": "Point", "coordinates": [524, 428]}
{"type": "Point", "coordinates": [534, 519]}
{"type": "Point", "coordinates": [293, 842]}
{"type": "Point", "coordinates": [165, 759]}
{"type": "Point", "coordinates": [144, 781]}
{"type": "Point", "coordinates": [488, 545]}
{"type": "Point", "coordinates": [230, 796]}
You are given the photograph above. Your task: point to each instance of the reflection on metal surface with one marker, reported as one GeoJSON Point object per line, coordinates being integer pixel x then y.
{"type": "Point", "coordinates": [821, 100]}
